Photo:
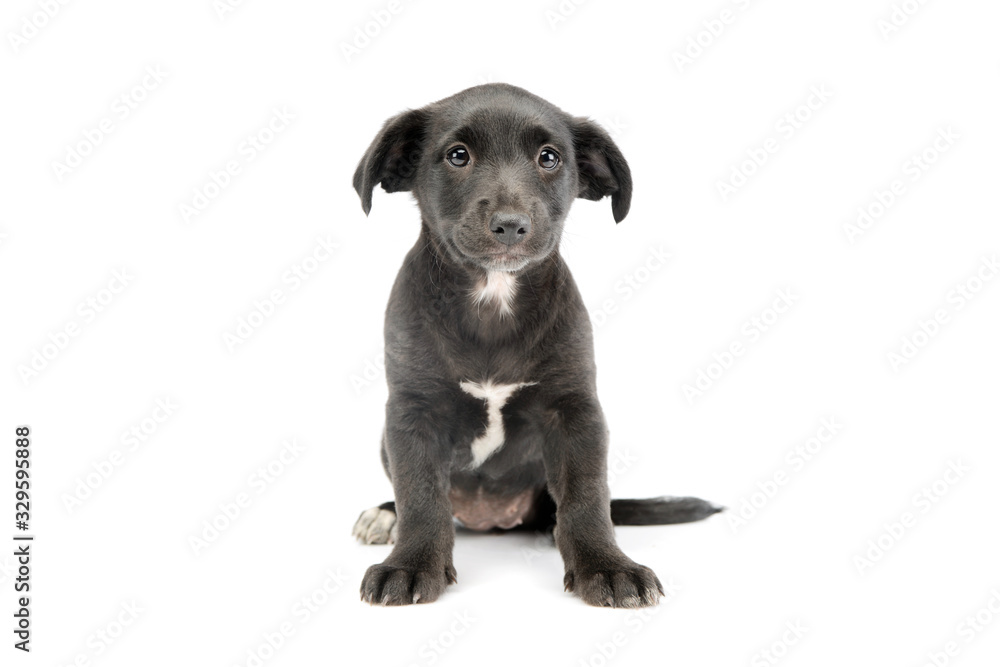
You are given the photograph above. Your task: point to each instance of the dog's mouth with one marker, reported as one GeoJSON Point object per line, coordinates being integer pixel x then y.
{"type": "Point", "coordinates": [468, 243]}
{"type": "Point", "coordinates": [509, 260]}
{"type": "Point", "coordinates": [505, 261]}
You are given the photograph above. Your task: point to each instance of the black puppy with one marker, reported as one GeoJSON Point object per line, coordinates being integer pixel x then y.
{"type": "Point", "coordinates": [492, 417]}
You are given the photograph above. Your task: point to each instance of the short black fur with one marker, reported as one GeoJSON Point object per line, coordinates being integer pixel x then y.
{"type": "Point", "coordinates": [451, 319]}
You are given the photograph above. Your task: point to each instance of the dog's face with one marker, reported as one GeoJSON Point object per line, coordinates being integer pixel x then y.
{"type": "Point", "coordinates": [494, 170]}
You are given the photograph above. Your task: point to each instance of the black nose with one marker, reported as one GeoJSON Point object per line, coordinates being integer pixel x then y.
{"type": "Point", "coordinates": [510, 228]}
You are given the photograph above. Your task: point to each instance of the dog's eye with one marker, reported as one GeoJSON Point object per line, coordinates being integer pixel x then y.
{"type": "Point", "coordinates": [458, 156]}
{"type": "Point", "coordinates": [548, 158]}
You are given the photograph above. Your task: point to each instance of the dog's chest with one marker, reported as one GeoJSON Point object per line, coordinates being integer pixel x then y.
{"type": "Point", "coordinates": [495, 397]}
{"type": "Point", "coordinates": [497, 289]}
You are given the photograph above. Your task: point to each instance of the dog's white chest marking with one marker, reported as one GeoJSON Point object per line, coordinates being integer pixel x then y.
{"type": "Point", "coordinates": [499, 289]}
{"type": "Point", "coordinates": [496, 396]}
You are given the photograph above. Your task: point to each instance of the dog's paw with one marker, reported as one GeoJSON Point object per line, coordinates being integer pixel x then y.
{"type": "Point", "coordinates": [393, 585]}
{"type": "Point", "coordinates": [627, 585]}
{"type": "Point", "coordinates": [376, 526]}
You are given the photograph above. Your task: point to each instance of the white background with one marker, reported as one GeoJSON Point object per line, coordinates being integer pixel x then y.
{"type": "Point", "coordinates": [684, 127]}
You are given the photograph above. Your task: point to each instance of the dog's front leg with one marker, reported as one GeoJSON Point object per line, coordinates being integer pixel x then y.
{"type": "Point", "coordinates": [575, 454]}
{"type": "Point", "coordinates": [420, 565]}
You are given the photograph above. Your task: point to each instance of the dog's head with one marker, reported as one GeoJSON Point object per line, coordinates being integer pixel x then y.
{"type": "Point", "coordinates": [494, 170]}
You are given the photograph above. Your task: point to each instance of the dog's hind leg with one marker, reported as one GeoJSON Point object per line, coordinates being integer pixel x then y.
{"type": "Point", "coordinates": [377, 525]}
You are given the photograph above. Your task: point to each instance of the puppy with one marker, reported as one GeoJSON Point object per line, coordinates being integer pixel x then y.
{"type": "Point", "coordinates": [492, 418]}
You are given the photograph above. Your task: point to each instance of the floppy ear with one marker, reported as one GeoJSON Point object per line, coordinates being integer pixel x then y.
{"type": "Point", "coordinates": [602, 167]}
{"type": "Point", "coordinates": [393, 156]}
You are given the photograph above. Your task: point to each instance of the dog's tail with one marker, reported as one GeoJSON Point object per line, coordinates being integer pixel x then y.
{"type": "Point", "coordinates": [662, 510]}
{"type": "Point", "coordinates": [632, 512]}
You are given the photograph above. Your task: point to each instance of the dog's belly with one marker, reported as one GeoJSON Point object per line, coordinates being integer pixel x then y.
{"type": "Point", "coordinates": [478, 510]}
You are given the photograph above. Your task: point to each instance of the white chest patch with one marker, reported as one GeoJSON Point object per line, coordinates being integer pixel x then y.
{"type": "Point", "coordinates": [496, 396]}
{"type": "Point", "coordinates": [499, 289]}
